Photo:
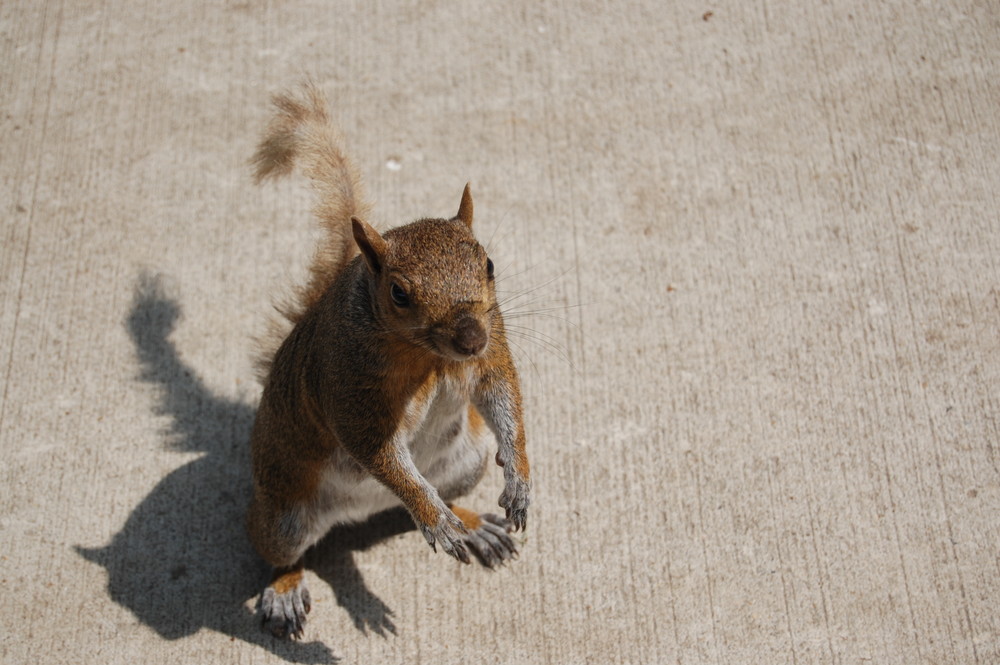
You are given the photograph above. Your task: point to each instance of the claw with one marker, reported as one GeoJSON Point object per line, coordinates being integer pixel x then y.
{"type": "Point", "coordinates": [515, 499]}
{"type": "Point", "coordinates": [429, 537]}
{"type": "Point", "coordinates": [283, 615]}
{"type": "Point", "coordinates": [459, 552]}
{"type": "Point", "coordinates": [502, 544]}
{"type": "Point", "coordinates": [449, 532]}
{"type": "Point", "coordinates": [491, 541]}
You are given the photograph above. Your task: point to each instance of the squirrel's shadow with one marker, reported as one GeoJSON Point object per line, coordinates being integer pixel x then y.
{"type": "Point", "coordinates": [182, 561]}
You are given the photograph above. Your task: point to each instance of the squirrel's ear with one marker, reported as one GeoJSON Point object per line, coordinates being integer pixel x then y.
{"type": "Point", "coordinates": [465, 207]}
{"type": "Point", "coordinates": [371, 244]}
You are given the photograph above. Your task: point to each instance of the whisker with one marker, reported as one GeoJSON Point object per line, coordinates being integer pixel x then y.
{"type": "Point", "coordinates": [549, 309]}
{"type": "Point", "coordinates": [502, 269]}
{"type": "Point", "coordinates": [539, 333]}
{"type": "Point", "coordinates": [541, 340]}
{"type": "Point", "coordinates": [500, 222]}
{"type": "Point", "coordinates": [525, 355]}
{"type": "Point", "coordinates": [535, 288]}
{"type": "Point", "coordinates": [513, 316]}
{"type": "Point", "coordinates": [523, 309]}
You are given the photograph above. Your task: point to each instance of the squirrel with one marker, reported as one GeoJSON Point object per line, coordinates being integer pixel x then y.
{"type": "Point", "coordinates": [392, 387]}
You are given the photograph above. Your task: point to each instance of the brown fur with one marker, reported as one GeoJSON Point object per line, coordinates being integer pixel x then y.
{"type": "Point", "coordinates": [376, 339]}
{"type": "Point", "coordinates": [476, 422]}
{"type": "Point", "coordinates": [285, 579]}
{"type": "Point", "coordinates": [470, 519]}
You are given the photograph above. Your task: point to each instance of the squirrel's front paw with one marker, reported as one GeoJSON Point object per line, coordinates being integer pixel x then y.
{"type": "Point", "coordinates": [450, 533]}
{"type": "Point", "coordinates": [515, 500]}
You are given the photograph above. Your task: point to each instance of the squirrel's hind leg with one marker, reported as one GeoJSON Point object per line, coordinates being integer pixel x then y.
{"type": "Point", "coordinates": [282, 539]}
{"type": "Point", "coordinates": [488, 536]}
{"type": "Point", "coordinates": [285, 603]}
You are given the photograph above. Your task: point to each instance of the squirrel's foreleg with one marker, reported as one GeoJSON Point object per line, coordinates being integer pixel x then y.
{"type": "Point", "coordinates": [498, 399]}
{"type": "Point", "coordinates": [392, 465]}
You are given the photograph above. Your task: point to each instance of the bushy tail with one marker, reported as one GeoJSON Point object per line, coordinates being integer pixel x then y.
{"type": "Point", "coordinates": [301, 134]}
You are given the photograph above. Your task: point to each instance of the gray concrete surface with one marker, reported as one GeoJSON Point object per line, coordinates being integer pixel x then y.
{"type": "Point", "coordinates": [750, 248]}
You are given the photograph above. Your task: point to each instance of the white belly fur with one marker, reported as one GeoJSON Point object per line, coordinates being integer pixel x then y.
{"type": "Point", "coordinates": [446, 458]}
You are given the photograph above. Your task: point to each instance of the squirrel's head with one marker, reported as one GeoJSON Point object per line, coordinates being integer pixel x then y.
{"type": "Point", "coordinates": [433, 283]}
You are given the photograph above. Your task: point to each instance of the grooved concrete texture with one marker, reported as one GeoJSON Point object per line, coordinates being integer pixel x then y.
{"type": "Point", "coordinates": [750, 251]}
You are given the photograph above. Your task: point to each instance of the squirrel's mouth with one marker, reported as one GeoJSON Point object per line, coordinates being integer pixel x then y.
{"type": "Point", "coordinates": [460, 345]}
{"type": "Point", "coordinates": [450, 353]}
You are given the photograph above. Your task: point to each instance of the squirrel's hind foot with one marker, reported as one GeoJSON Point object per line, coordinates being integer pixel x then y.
{"type": "Point", "coordinates": [488, 537]}
{"type": "Point", "coordinates": [284, 604]}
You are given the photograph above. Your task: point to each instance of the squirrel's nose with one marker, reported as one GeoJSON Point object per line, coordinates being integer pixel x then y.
{"type": "Point", "coordinates": [469, 338]}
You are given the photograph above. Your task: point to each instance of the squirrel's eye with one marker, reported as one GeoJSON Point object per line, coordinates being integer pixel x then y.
{"type": "Point", "coordinates": [399, 296]}
{"type": "Point", "coordinates": [489, 268]}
